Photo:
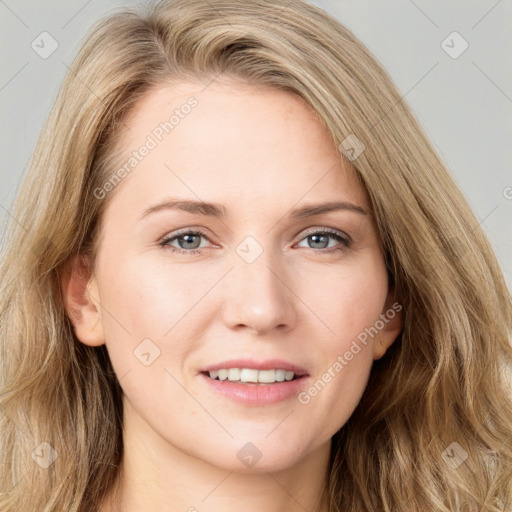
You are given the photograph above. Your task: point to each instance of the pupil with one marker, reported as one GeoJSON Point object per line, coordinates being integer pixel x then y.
{"type": "Point", "coordinates": [315, 240]}
{"type": "Point", "coordinates": [187, 241]}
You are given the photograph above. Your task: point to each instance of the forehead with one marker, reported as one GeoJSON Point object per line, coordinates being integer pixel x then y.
{"type": "Point", "coordinates": [257, 142]}
{"type": "Point", "coordinates": [261, 114]}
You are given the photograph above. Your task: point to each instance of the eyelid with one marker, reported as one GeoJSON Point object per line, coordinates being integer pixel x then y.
{"type": "Point", "coordinates": [325, 229]}
{"type": "Point", "coordinates": [186, 231]}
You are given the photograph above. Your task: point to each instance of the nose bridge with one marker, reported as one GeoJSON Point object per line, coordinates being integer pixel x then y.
{"type": "Point", "coordinates": [256, 295]}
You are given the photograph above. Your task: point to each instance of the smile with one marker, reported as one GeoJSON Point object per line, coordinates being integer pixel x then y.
{"type": "Point", "coordinates": [248, 375]}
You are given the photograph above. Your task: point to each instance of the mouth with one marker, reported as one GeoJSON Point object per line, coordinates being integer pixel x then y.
{"type": "Point", "coordinates": [252, 371]}
{"type": "Point", "coordinates": [255, 387]}
{"type": "Point", "coordinates": [251, 376]}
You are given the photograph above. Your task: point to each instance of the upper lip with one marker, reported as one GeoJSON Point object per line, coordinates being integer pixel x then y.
{"type": "Point", "coordinates": [267, 364]}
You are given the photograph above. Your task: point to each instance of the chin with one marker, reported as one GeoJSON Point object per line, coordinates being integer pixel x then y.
{"type": "Point", "coordinates": [259, 457]}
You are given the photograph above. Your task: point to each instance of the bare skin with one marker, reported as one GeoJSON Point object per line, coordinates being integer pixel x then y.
{"type": "Point", "coordinates": [261, 154]}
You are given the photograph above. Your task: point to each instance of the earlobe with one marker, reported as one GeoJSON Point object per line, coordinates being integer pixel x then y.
{"type": "Point", "coordinates": [81, 301]}
{"type": "Point", "coordinates": [391, 317]}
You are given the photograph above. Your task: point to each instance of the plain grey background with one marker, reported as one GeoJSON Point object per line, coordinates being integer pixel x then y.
{"type": "Point", "coordinates": [463, 99]}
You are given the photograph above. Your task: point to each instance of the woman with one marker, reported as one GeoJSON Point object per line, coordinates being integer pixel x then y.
{"type": "Point", "coordinates": [240, 275]}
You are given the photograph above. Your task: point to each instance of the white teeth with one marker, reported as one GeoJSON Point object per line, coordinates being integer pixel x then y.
{"type": "Point", "coordinates": [234, 374]}
{"type": "Point", "coordinates": [251, 375]}
{"type": "Point", "coordinates": [267, 376]}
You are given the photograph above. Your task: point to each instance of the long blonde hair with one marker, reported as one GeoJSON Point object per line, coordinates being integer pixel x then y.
{"type": "Point", "coordinates": [440, 394]}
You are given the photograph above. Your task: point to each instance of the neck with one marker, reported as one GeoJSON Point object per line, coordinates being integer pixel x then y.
{"type": "Point", "coordinates": [271, 493]}
{"type": "Point", "coordinates": [163, 478]}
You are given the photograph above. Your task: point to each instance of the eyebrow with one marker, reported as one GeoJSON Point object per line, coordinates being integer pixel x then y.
{"type": "Point", "coordinates": [219, 211]}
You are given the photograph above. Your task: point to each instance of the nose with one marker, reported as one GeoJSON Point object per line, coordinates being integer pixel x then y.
{"type": "Point", "coordinates": [258, 296]}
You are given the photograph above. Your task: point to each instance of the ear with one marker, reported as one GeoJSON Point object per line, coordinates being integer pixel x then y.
{"type": "Point", "coordinates": [81, 300]}
{"type": "Point", "coordinates": [391, 317]}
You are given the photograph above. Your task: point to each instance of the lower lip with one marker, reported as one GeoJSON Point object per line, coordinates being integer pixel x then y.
{"type": "Point", "coordinates": [257, 394]}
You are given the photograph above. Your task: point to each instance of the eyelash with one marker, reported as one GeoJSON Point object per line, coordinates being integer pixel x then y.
{"type": "Point", "coordinates": [345, 241]}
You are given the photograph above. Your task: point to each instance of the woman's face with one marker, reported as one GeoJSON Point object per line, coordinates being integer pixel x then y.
{"type": "Point", "coordinates": [265, 280]}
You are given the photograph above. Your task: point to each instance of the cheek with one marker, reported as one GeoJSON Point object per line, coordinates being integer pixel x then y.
{"type": "Point", "coordinates": [348, 301]}
{"type": "Point", "coordinates": [149, 327]}
{"type": "Point", "coordinates": [345, 298]}
{"type": "Point", "coordinates": [139, 303]}
{"type": "Point", "coordinates": [151, 298]}
{"type": "Point", "coordinates": [169, 305]}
